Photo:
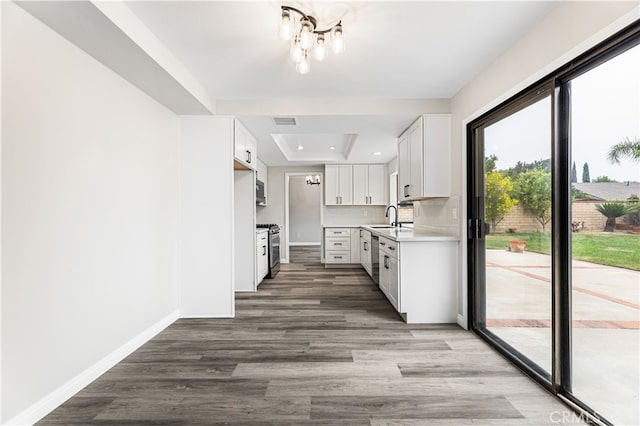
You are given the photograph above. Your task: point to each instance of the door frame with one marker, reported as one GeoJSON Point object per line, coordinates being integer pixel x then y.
{"type": "Point", "coordinates": [558, 82]}
{"type": "Point", "coordinates": [285, 241]}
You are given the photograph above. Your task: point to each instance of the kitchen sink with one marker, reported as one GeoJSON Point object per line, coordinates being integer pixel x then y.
{"type": "Point", "coordinates": [397, 228]}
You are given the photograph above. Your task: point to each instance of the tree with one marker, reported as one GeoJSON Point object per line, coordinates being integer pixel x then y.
{"type": "Point", "coordinates": [498, 202]}
{"type": "Point", "coordinates": [604, 179]}
{"type": "Point", "coordinates": [574, 173]}
{"type": "Point", "coordinates": [585, 173]}
{"type": "Point", "coordinates": [522, 167]}
{"type": "Point", "coordinates": [533, 190]}
{"type": "Point", "coordinates": [626, 148]}
{"type": "Point", "coordinates": [612, 211]}
{"type": "Point", "coordinates": [490, 163]}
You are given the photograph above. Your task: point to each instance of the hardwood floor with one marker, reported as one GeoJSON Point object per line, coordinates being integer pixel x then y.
{"type": "Point", "coordinates": [313, 346]}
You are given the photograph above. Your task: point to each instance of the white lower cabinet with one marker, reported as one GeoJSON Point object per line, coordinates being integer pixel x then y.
{"type": "Point", "coordinates": [337, 245]}
{"type": "Point", "coordinates": [419, 279]}
{"type": "Point", "coordinates": [262, 255]}
{"type": "Point", "coordinates": [342, 245]}
{"type": "Point", "coordinates": [365, 251]}
{"type": "Point", "coordinates": [389, 279]}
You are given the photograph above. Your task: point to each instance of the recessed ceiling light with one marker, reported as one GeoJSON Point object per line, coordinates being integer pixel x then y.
{"type": "Point", "coordinates": [377, 153]}
{"type": "Point", "coordinates": [300, 147]}
{"type": "Point", "coordinates": [332, 147]}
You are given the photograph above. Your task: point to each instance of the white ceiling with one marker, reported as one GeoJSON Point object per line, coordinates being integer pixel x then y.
{"type": "Point", "coordinates": [355, 138]}
{"type": "Point", "coordinates": [395, 50]}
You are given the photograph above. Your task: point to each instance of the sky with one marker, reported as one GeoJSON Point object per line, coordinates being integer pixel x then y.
{"type": "Point", "coordinates": [605, 110]}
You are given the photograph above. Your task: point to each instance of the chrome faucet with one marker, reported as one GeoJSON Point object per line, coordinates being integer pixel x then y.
{"type": "Point", "coordinates": [386, 214]}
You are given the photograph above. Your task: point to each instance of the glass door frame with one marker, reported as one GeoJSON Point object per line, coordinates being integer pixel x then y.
{"type": "Point", "coordinates": [558, 86]}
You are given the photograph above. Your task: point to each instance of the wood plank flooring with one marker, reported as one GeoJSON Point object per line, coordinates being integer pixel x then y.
{"type": "Point", "coordinates": [313, 346]}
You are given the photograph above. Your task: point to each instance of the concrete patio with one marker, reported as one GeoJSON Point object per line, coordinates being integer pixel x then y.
{"type": "Point", "coordinates": [606, 318]}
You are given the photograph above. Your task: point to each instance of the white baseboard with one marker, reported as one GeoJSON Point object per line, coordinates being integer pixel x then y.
{"type": "Point", "coordinates": [52, 401]}
{"type": "Point", "coordinates": [304, 244]}
{"type": "Point", "coordinates": [462, 322]}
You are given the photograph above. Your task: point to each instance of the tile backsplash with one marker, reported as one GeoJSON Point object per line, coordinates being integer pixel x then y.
{"type": "Point", "coordinates": [440, 215]}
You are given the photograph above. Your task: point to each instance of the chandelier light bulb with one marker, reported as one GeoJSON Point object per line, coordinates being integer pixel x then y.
{"type": "Point", "coordinates": [304, 66]}
{"type": "Point", "coordinates": [320, 49]}
{"type": "Point", "coordinates": [296, 50]}
{"type": "Point", "coordinates": [286, 26]}
{"type": "Point", "coordinates": [308, 37]}
{"type": "Point", "coordinates": [337, 40]}
{"type": "Point", "coordinates": [306, 34]}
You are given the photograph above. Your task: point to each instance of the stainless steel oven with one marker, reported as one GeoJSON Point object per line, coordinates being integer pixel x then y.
{"type": "Point", "coordinates": [274, 248]}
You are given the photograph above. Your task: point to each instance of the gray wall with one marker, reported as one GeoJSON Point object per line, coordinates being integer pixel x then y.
{"type": "Point", "coordinates": [304, 211]}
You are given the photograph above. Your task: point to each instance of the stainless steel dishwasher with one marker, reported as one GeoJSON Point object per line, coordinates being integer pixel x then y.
{"type": "Point", "coordinates": [375, 260]}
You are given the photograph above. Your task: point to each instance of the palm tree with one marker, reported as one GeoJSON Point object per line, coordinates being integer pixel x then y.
{"type": "Point", "coordinates": [613, 211]}
{"type": "Point", "coordinates": [626, 148]}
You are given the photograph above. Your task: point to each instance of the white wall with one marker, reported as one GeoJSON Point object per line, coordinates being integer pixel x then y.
{"type": "Point", "coordinates": [392, 166]}
{"type": "Point", "coordinates": [304, 211]}
{"type": "Point", "coordinates": [206, 217]}
{"type": "Point", "coordinates": [570, 29]}
{"type": "Point", "coordinates": [90, 211]}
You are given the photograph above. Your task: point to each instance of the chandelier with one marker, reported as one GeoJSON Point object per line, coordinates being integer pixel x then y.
{"type": "Point", "coordinates": [313, 180]}
{"type": "Point", "coordinates": [306, 39]}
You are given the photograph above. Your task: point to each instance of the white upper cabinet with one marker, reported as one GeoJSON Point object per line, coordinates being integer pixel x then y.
{"type": "Point", "coordinates": [338, 184]}
{"type": "Point", "coordinates": [263, 175]}
{"type": "Point", "coordinates": [404, 177]}
{"type": "Point", "coordinates": [377, 184]}
{"type": "Point", "coordinates": [245, 146]}
{"type": "Point", "coordinates": [437, 156]}
{"type": "Point", "coordinates": [369, 184]}
{"type": "Point", "coordinates": [424, 158]}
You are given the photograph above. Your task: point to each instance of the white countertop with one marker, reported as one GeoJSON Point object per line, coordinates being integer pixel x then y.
{"type": "Point", "coordinates": [402, 233]}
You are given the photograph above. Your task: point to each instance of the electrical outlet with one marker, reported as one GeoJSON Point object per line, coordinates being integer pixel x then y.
{"type": "Point", "coordinates": [364, 212]}
{"type": "Point", "coordinates": [298, 235]}
{"type": "Point", "coordinates": [454, 213]}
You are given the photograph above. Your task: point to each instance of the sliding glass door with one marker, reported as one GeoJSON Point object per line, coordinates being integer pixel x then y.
{"type": "Point", "coordinates": [517, 206]}
{"type": "Point", "coordinates": [554, 230]}
{"type": "Point", "coordinates": [605, 105]}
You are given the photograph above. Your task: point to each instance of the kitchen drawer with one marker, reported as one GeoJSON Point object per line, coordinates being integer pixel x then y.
{"type": "Point", "coordinates": [262, 238]}
{"type": "Point", "coordinates": [335, 243]}
{"type": "Point", "coordinates": [337, 256]}
{"type": "Point", "coordinates": [389, 246]}
{"type": "Point", "coordinates": [337, 232]}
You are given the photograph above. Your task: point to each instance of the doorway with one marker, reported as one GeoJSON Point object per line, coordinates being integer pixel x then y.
{"type": "Point", "coordinates": [558, 298]}
{"type": "Point", "coordinates": [303, 217]}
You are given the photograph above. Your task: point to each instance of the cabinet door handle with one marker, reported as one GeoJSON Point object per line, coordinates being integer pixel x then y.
{"type": "Point", "coordinates": [337, 201]}
{"type": "Point", "coordinates": [264, 250]}
{"type": "Point", "coordinates": [365, 246]}
{"type": "Point", "coordinates": [337, 244]}
{"type": "Point", "coordinates": [248, 156]}
{"type": "Point", "coordinates": [337, 257]}
{"type": "Point", "coordinates": [383, 244]}
{"type": "Point", "coordinates": [406, 190]}
{"type": "Point", "coordinates": [341, 199]}
{"type": "Point", "coordinates": [386, 262]}
{"type": "Point", "coordinates": [392, 248]}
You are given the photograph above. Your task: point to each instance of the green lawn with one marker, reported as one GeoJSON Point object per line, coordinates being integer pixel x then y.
{"type": "Point", "coordinates": [613, 249]}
